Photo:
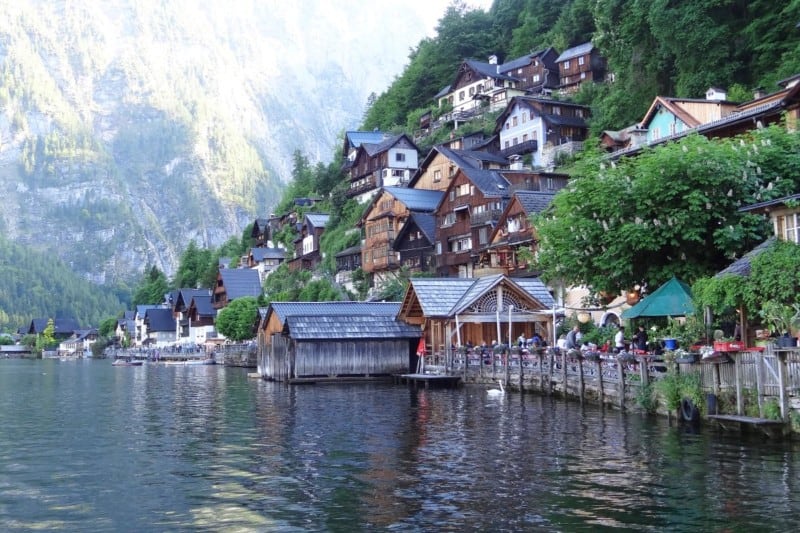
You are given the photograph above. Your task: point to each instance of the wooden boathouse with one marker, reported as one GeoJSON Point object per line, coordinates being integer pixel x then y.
{"type": "Point", "coordinates": [334, 341]}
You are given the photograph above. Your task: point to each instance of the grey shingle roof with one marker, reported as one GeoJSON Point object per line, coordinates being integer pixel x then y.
{"type": "Point", "coordinates": [357, 138]}
{"type": "Point", "coordinates": [741, 267]}
{"type": "Point", "coordinates": [479, 155]}
{"type": "Point", "coordinates": [318, 220]}
{"type": "Point", "coordinates": [534, 201]}
{"type": "Point", "coordinates": [63, 326]}
{"type": "Point", "coordinates": [240, 282]}
{"type": "Point", "coordinates": [445, 297]}
{"type": "Point", "coordinates": [426, 223]}
{"type": "Point", "coordinates": [339, 327]}
{"type": "Point", "coordinates": [204, 306]}
{"type": "Point", "coordinates": [159, 319]}
{"type": "Point", "coordinates": [770, 203]}
{"type": "Point", "coordinates": [350, 251]}
{"type": "Point", "coordinates": [374, 149]}
{"type": "Point", "coordinates": [417, 199]}
{"type": "Point", "coordinates": [142, 309]}
{"type": "Point", "coordinates": [490, 182]}
{"type": "Point", "coordinates": [488, 70]}
{"type": "Point", "coordinates": [185, 295]}
{"type": "Point", "coordinates": [262, 252]}
{"type": "Point", "coordinates": [575, 51]}
{"type": "Point", "coordinates": [563, 120]}
{"type": "Point", "coordinates": [286, 309]}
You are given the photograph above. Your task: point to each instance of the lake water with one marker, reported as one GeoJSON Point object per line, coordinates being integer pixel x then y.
{"type": "Point", "coordinates": [85, 446]}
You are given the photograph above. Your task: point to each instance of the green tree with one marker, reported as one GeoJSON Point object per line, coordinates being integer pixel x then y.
{"type": "Point", "coordinates": [108, 327]}
{"type": "Point", "coordinates": [237, 321]}
{"type": "Point", "coordinates": [672, 210]}
{"type": "Point", "coordinates": [152, 288]}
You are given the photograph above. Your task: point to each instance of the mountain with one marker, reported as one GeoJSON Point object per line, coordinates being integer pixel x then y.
{"type": "Point", "coordinates": [130, 127]}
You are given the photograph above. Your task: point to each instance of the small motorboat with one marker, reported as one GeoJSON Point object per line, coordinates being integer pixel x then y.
{"type": "Point", "coordinates": [127, 362]}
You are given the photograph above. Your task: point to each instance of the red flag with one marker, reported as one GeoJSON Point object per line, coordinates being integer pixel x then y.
{"type": "Point", "coordinates": [421, 347]}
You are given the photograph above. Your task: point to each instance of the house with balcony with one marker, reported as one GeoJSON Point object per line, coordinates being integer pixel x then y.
{"type": "Point", "coordinates": [513, 234]}
{"type": "Point", "coordinates": [578, 65]}
{"type": "Point", "coordinates": [382, 221]}
{"type": "Point", "coordinates": [79, 344]}
{"type": "Point", "coordinates": [441, 164]}
{"type": "Point", "coordinates": [670, 119]}
{"type": "Point", "coordinates": [478, 86]}
{"type": "Point", "coordinates": [389, 163]}
{"type": "Point", "coordinates": [536, 73]}
{"type": "Point", "coordinates": [415, 243]}
{"type": "Point", "coordinates": [235, 283]}
{"type": "Point", "coordinates": [470, 211]}
{"type": "Point", "coordinates": [543, 128]}
{"type": "Point", "coordinates": [159, 327]}
{"type": "Point", "coordinates": [260, 232]}
{"type": "Point", "coordinates": [202, 316]}
{"type": "Point", "coordinates": [354, 139]}
{"type": "Point", "coordinates": [179, 301]}
{"type": "Point", "coordinates": [307, 244]}
{"type": "Point", "coordinates": [140, 329]}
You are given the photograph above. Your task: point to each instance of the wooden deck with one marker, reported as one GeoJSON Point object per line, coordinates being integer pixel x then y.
{"type": "Point", "coordinates": [440, 380]}
{"type": "Point", "coordinates": [772, 428]}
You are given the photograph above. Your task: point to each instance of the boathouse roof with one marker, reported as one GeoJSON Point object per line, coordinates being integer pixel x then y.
{"type": "Point", "coordinates": [339, 327]}
{"type": "Point", "coordinates": [286, 309]}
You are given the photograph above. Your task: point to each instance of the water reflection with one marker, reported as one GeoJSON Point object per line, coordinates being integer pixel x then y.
{"type": "Point", "coordinates": [86, 446]}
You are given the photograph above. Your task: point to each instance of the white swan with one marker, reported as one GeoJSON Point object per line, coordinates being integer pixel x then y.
{"type": "Point", "coordinates": [497, 392]}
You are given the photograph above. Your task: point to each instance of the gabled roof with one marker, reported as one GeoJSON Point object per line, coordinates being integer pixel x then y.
{"type": "Point", "coordinates": [671, 105]}
{"type": "Point", "coordinates": [488, 70]}
{"type": "Point", "coordinates": [341, 327]}
{"type": "Point", "coordinates": [534, 201]}
{"type": "Point", "coordinates": [240, 282]}
{"type": "Point", "coordinates": [489, 182]}
{"type": "Point", "coordinates": [317, 220]}
{"type": "Point", "coordinates": [575, 51]}
{"type": "Point", "coordinates": [530, 102]}
{"type": "Point", "coordinates": [445, 91]}
{"type": "Point", "coordinates": [424, 222]}
{"type": "Point", "coordinates": [262, 252]}
{"type": "Point", "coordinates": [674, 298]}
{"type": "Point", "coordinates": [159, 319]}
{"type": "Point", "coordinates": [357, 138]}
{"type": "Point", "coordinates": [63, 326]}
{"type": "Point", "coordinates": [353, 250]}
{"type": "Point", "coordinates": [374, 149]}
{"type": "Point", "coordinates": [447, 297]}
{"type": "Point", "coordinates": [142, 309]}
{"type": "Point", "coordinates": [416, 199]}
{"type": "Point", "coordinates": [524, 60]}
{"type": "Point", "coordinates": [287, 309]}
{"type": "Point", "coordinates": [204, 306]}
{"type": "Point", "coordinates": [741, 267]}
{"type": "Point", "coordinates": [184, 296]}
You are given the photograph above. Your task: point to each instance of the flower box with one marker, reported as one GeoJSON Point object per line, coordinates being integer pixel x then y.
{"type": "Point", "coordinates": [728, 346]}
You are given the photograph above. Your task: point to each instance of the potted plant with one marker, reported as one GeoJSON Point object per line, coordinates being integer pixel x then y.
{"type": "Point", "coordinates": [783, 320]}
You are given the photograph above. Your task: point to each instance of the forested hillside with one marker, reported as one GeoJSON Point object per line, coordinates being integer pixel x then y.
{"type": "Point", "coordinates": [660, 47]}
{"type": "Point", "coordinates": [35, 285]}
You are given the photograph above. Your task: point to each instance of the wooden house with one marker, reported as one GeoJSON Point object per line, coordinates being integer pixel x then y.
{"type": "Point", "coordinates": [514, 232]}
{"type": "Point", "coordinates": [307, 244]}
{"type": "Point", "coordinates": [536, 73]}
{"type": "Point", "coordinates": [470, 210]}
{"type": "Point", "coordinates": [315, 341]}
{"type": "Point", "coordinates": [235, 283]}
{"type": "Point", "coordinates": [139, 325]}
{"type": "Point", "coordinates": [386, 164]}
{"type": "Point", "coordinates": [347, 262]}
{"type": "Point", "coordinates": [578, 65]}
{"type": "Point", "coordinates": [671, 117]}
{"type": "Point", "coordinates": [201, 317]}
{"type": "Point", "coordinates": [180, 300]}
{"type": "Point", "coordinates": [415, 243]}
{"type": "Point", "coordinates": [479, 85]}
{"type": "Point", "coordinates": [354, 139]}
{"type": "Point", "coordinates": [260, 232]}
{"type": "Point", "coordinates": [441, 164]}
{"type": "Point", "coordinates": [384, 217]}
{"type": "Point", "coordinates": [784, 213]}
{"type": "Point", "coordinates": [455, 311]}
{"type": "Point", "coordinates": [543, 128]}
{"type": "Point", "coordinates": [126, 327]}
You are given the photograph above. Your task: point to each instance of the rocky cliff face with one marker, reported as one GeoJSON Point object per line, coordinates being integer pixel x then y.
{"type": "Point", "coordinates": [129, 127]}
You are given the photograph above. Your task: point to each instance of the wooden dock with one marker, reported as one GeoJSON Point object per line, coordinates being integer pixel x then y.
{"type": "Point", "coordinates": [771, 428]}
{"type": "Point", "coordinates": [428, 380]}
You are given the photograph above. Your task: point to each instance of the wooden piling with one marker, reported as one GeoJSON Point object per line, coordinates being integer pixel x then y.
{"type": "Point", "coordinates": [621, 388]}
{"type": "Point", "coordinates": [581, 385]}
{"type": "Point", "coordinates": [600, 391]}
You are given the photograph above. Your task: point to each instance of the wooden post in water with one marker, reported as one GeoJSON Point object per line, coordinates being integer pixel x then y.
{"type": "Point", "coordinates": [782, 371]}
{"type": "Point", "coordinates": [564, 369]}
{"type": "Point", "coordinates": [551, 356]}
{"type": "Point", "coordinates": [737, 364]}
{"type": "Point", "coordinates": [760, 384]}
{"type": "Point", "coordinates": [621, 388]}
{"type": "Point", "coordinates": [645, 377]}
{"type": "Point", "coordinates": [600, 392]}
{"type": "Point", "coordinates": [580, 378]}
{"type": "Point", "coordinates": [540, 359]}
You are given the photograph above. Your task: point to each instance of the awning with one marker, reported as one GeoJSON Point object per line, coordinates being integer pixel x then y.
{"type": "Point", "coordinates": [674, 298]}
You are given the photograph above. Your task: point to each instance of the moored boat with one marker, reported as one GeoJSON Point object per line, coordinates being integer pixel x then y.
{"type": "Point", "coordinates": [127, 362]}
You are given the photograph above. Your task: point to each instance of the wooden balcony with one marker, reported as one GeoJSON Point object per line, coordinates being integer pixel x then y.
{"type": "Point", "coordinates": [485, 216]}
{"type": "Point", "coordinates": [525, 147]}
{"type": "Point", "coordinates": [370, 184]}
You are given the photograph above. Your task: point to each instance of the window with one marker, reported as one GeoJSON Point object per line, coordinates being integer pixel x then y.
{"type": "Point", "coordinates": [507, 144]}
{"type": "Point", "coordinates": [399, 156]}
{"type": "Point", "coordinates": [452, 195]}
{"type": "Point", "coordinates": [483, 235]}
{"type": "Point", "coordinates": [463, 189]}
{"type": "Point", "coordinates": [480, 88]}
{"type": "Point", "coordinates": [524, 137]}
{"type": "Point", "coordinates": [789, 227]}
{"type": "Point", "coordinates": [437, 175]}
{"type": "Point", "coordinates": [438, 247]}
{"type": "Point", "coordinates": [536, 78]}
{"type": "Point", "coordinates": [508, 125]}
{"type": "Point", "coordinates": [449, 219]}
{"type": "Point", "coordinates": [460, 96]}
{"type": "Point", "coordinates": [566, 64]}
{"type": "Point", "coordinates": [452, 171]}
{"type": "Point", "coordinates": [524, 117]}
{"type": "Point", "coordinates": [519, 71]}
{"type": "Point", "coordinates": [580, 60]}
{"type": "Point", "coordinates": [516, 141]}
{"type": "Point", "coordinates": [514, 121]}
{"type": "Point", "coordinates": [472, 91]}
{"type": "Point", "coordinates": [556, 110]}
{"type": "Point", "coordinates": [583, 75]}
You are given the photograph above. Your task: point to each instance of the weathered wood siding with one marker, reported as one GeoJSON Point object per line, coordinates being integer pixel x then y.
{"type": "Point", "coordinates": [285, 359]}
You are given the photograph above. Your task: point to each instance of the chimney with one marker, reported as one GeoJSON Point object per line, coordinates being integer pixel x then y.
{"type": "Point", "coordinates": [759, 93]}
{"type": "Point", "coordinates": [492, 59]}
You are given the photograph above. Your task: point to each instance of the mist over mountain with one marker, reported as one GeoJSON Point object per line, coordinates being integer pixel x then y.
{"type": "Point", "coordinates": [129, 127]}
